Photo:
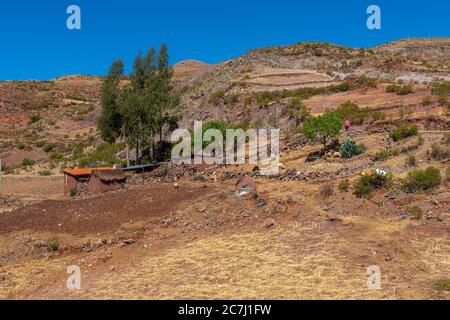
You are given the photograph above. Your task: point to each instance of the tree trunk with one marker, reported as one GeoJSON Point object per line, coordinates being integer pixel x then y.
{"type": "Point", "coordinates": [127, 151]}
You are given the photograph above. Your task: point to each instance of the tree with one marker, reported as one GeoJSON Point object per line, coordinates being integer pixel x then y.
{"type": "Point", "coordinates": [110, 121]}
{"type": "Point", "coordinates": [323, 128]}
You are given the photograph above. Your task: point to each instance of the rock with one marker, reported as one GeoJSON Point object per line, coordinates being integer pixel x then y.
{"type": "Point", "coordinates": [245, 186]}
{"type": "Point", "coordinates": [260, 203]}
{"type": "Point", "coordinates": [127, 242]}
{"type": "Point", "coordinates": [201, 207]}
{"type": "Point", "coordinates": [269, 223]}
{"type": "Point", "coordinates": [336, 155]}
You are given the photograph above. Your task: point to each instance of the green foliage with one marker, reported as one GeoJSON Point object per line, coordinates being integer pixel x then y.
{"type": "Point", "coordinates": [384, 154]}
{"type": "Point", "coordinates": [52, 245]}
{"type": "Point", "coordinates": [73, 192]}
{"type": "Point", "coordinates": [403, 131]}
{"type": "Point", "coordinates": [443, 284]}
{"type": "Point", "coordinates": [21, 146]}
{"type": "Point", "coordinates": [415, 213]}
{"type": "Point", "coordinates": [400, 89]}
{"type": "Point", "coordinates": [216, 97]}
{"type": "Point", "coordinates": [367, 184]}
{"type": "Point", "coordinates": [441, 88]}
{"type": "Point", "coordinates": [56, 156]}
{"type": "Point", "coordinates": [378, 116]}
{"type": "Point", "coordinates": [426, 101]}
{"type": "Point", "coordinates": [344, 185]}
{"type": "Point", "coordinates": [45, 173]}
{"type": "Point", "coordinates": [323, 128]}
{"type": "Point", "coordinates": [28, 162]}
{"type": "Point", "coordinates": [104, 155]}
{"type": "Point", "coordinates": [365, 81]}
{"type": "Point", "coordinates": [350, 149]}
{"type": "Point", "coordinates": [419, 180]}
{"type": "Point", "coordinates": [35, 118]}
{"type": "Point", "coordinates": [49, 147]}
{"type": "Point", "coordinates": [350, 110]}
{"type": "Point", "coordinates": [439, 153]}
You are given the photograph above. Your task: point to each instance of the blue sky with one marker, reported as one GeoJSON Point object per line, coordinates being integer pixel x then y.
{"type": "Point", "coordinates": [36, 44]}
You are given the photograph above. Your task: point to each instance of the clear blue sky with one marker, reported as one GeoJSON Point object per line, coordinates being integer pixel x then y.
{"type": "Point", "coordinates": [35, 43]}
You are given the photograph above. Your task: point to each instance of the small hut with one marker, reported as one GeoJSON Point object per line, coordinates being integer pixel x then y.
{"type": "Point", "coordinates": [73, 178]}
{"type": "Point", "coordinates": [106, 180]}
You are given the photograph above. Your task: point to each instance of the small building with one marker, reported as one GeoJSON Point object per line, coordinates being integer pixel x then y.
{"type": "Point", "coordinates": [75, 177]}
{"type": "Point", "coordinates": [106, 180]}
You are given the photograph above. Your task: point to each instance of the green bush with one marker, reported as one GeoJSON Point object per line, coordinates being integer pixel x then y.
{"type": "Point", "coordinates": [21, 146]}
{"type": "Point", "coordinates": [104, 155]}
{"type": "Point", "coordinates": [415, 213]}
{"type": "Point", "coordinates": [49, 147]}
{"type": "Point", "coordinates": [439, 153]}
{"type": "Point", "coordinates": [384, 154]}
{"type": "Point", "coordinates": [378, 116]}
{"type": "Point", "coordinates": [73, 192]}
{"type": "Point", "coordinates": [426, 101]}
{"type": "Point", "coordinates": [35, 118]}
{"type": "Point", "coordinates": [350, 110]}
{"type": "Point", "coordinates": [28, 162]}
{"type": "Point", "coordinates": [350, 149]}
{"type": "Point", "coordinates": [216, 97]}
{"type": "Point", "coordinates": [367, 184]}
{"type": "Point", "coordinates": [344, 185]}
{"type": "Point", "coordinates": [52, 245]}
{"type": "Point", "coordinates": [403, 131]}
{"type": "Point", "coordinates": [45, 173]}
{"type": "Point", "coordinates": [400, 89]}
{"type": "Point", "coordinates": [365, 81]}
{"type": "Point", "coordinates": [443, 284]}
{"type": "Point", "coordinates": [419, 180]}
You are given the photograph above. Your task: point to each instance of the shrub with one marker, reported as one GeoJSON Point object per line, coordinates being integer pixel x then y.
{"type": "Point", "coordinates": [318, 52]}
{"type": "Point", "coordinates": [405, 89]}
{"type": "Point", "coordinates": [216, 97]}
{"type": "Point", "coordinates": [443, 99]}
{"type": "Point", "coordinates": [415, 213]}
{"type": "Point", "coordinates": [21, 146]}
{"type": "Point", "coordinates": [443, 284]}
{"type": "Point", "coordinates": [323, 128]}
{"type": "Point", "coordinates": [367, 184]}
{"type": "Point", "coordinates": [384, 154]}
{"type": "Point", "coordinates": [326, 190]}
{"type": "Point", "coordinates": [56, 156]}
{"type": "Point", "coordinates": [426, 101]}
{"type": "Point", "coordinates": [104, 155]}
{"type": "Point", "coordinates": [344, 185]}
{"type": "Point", "coordinates": [378, 116]}
{"type": "Point", "coordinates": [365, 81]}
{"type": "Point", "coordinates": [411, 161]}
{"type": "Point", "coordinates": [447, 174]}
{"type": "Point", "coordinates": [73, 192]}
{"type": "Point", "coordinates": [438, 153]}
{"type": "Point", "coordinates": [403, 131]}
{"type": "Point", "coordinates": [52, 245]}
{"type": "Point", "coordinates": [45, 173]}
{"type": "Point", "coordinates": [350, 110]}
{"type": "Point", "coordinates": [419, 180]}
{"type": "Point", "coordinates": [28, 162]}
{"type": "Point", "coordinates": [49, 147]}
{"type": "Point", "coordinates": [40, 144]}
{"type": "Point", "coordinates": [35, 118]}
{"type": "Point", "coordinates": [350, 149]}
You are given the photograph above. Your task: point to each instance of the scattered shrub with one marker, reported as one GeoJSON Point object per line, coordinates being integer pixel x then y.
{"type": "Point", "coordinates": [350, 149]}
{"type": "Point", "coordinates": [439, 153]}
{"type": "Point", "coordinates": [384, 154]}
{"type": "Point", "coordinates": [326, 190]}
{"type": "Point", "coordinates": [21, 146]}
{"type": "Point", "coordinates": [403, 131]}
{"type": "Point", "coordinates": [411, 160]}
{"type": "Point", "coordinates": [216, 97]}
{"type": "Point", "coordinates": [419, 180]}
{"type": "Point", "coordinates": [350, 110]}
{"type": "Point", "coordinates": [426, 101]}
{"type": "Point", "coordinates": [35, 118]}
{"type": "Point", "coordinates": [378, 116]}
{"type": "Point", "coordinates": [48, 147]}
{"type": "Point", "coordinates": [52, 245]}
{"type": "Point", "coordinates": [45, 173]}
{"type": "Point", "coordinates": [415, 213]}
{"type": "Point", "coordinates": [73, 192]}
{"type": "Point", "coordinates": [367, 184]}
{"type": "Point", "coordinates": [28, 162]}
{"type": "Point", "coordinates": [365, 81]}
{"type": "Point", "coordinates": [443, 284]}
{"type": "Point", "coordinates": [344, 185]}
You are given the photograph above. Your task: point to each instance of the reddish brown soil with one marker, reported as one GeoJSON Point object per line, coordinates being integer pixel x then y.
{"type": "Point", "coordinates": [99, 214]}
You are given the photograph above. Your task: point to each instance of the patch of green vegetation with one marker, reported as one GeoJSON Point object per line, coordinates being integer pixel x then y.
{"type": "Point", "coordinates": [438, 153]}
{"type": "Point", "coordinates": [104, 155]}
{"type": "Point", "coordinates": [365, 81]}
{"type": "Point", "coordinates": [378, 116]}
{"type": "Point", "coordinates": [420, 180]}
{"type": "Point", "coordinates": [35, 118]}
{"type": "Point", "coordinates": [415, 213]}
{"type": "Point", "coordinates": [349, 149]}
{"type": "Point", "coordinates": [52, 245]}
{"type": "Point", "coordinates": [73, 192]}
{"type": "Point", "coordinates": [49, 147]}
{"type": "Point", "coordinates": [350, 110]}
{"type": "Point", "coordinates": [21, 146]}
{"type": "Point", "coordinates": [401, 90]}
{"type": "Point", "coordinates": [384, 154]}
{"type": "Point", "coordinates": [403, 131]}
{"type": "Point", "coordinates": [443, 284]}
{"type": "Point", "coordinates": [216, 97]}
{"type": "Point", "coordinates": [45, 173]}
{"type": "Point", "coordinates": [344, 185]}
{"type": "Point", "coordinates": [28, 162]}
{"type": "Point", "coordinates": [367, 184]}
{"type": "Point", "coordinates": [426, 101]}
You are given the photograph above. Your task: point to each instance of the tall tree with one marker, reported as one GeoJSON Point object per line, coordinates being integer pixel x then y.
{"type": "Point", "coordinates": [110, 120]}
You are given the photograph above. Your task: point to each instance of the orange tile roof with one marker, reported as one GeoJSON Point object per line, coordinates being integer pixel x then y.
{"type": "Point", "coordinates": [83, 172]}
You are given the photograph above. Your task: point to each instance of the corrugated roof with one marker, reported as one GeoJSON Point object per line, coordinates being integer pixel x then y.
{"type": "Point", "coordinates": [84, 171]}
